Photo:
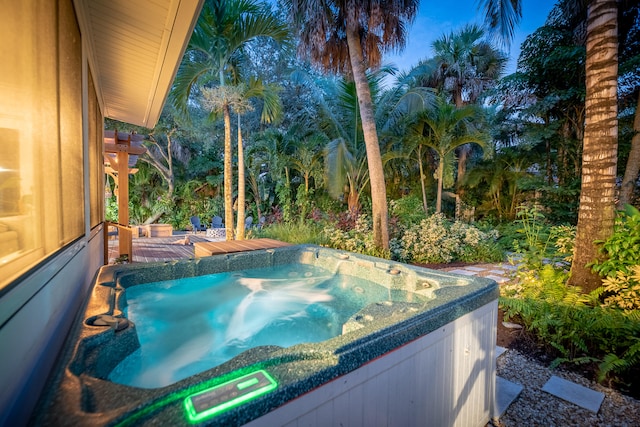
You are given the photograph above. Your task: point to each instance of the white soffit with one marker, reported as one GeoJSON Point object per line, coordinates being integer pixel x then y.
{"type": "Point", "coordinates": [135, 48]}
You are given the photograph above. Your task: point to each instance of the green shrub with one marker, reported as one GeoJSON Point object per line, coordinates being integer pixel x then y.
{"type": "Point", "coordinates": [623, 290]}
{"type": "Point", "coordinates": [564, 237]}
{"type": "Point", "coordinates": [111, 209]}
{"type": "Point", "coordinates": [408, 210]}
{"type": "Point", "coordinates": [509, 234]}
{"type": "Point", "coordinates": [574, 324]}
{"type": "Point", "coordinates": [357, 239]}
{"type": "Point", "coordinates": [438, 240]}
{"type": "Point", "coordinates": [538, 242]}
{"type": "Point", "coordinates": [622, 249]}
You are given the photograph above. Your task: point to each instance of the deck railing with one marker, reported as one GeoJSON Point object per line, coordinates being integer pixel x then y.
{"type": "Point", "coordinates": [125, 240]}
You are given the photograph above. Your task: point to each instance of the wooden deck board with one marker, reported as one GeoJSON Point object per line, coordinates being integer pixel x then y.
{"type": "Point", "coordinates": [216, 248]}
{"type": "Point", "coordinates": [155, 249]}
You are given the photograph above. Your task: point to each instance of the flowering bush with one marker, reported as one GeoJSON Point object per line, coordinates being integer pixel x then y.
{"type": "Point", "coordinates": [438, 240]}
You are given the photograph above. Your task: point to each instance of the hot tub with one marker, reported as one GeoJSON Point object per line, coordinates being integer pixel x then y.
{"type": "Point", "coordinates": [339, 339]}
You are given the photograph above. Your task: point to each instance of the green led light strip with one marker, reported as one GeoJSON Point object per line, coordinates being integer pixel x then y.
{"type": "Point", "coordinates": [222, 397]}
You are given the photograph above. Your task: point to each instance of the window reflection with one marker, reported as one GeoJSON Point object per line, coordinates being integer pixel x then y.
{"type": "Point", "coordinates": [9, 177]}
{"type": "Point", "coordinates": [9, 191]}
{"type": "Point", "coordinates": [41, 149]}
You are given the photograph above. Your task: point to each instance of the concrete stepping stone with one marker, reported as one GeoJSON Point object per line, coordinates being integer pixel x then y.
{"type": "Point", "coordinates": [506, 393]}
{"type": "Point", "coordinates": [574, 393]}
{"type": "Point", "coordinates": [511, 325]}
{"type": "Point", "coordinates": [500, 351]}
{"type": "Point", "coordinates": [499, 279]}
{"type": "Point", "coordinates": [465, 272]}
{"type": "Point", "coordinates": [473, 268]}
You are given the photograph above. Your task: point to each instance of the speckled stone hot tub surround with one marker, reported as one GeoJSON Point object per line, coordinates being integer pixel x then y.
{"type": "Point", "coordinates": [79, 394]}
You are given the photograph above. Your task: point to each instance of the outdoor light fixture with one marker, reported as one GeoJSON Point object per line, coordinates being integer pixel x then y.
{"type": "Point", "coordinates": [222, 397]}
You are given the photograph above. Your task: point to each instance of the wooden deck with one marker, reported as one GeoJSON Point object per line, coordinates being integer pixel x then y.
{"type": "Point", "coordinates": [154, 249]}
{"type": "Point", "coordinates": [215, 248]}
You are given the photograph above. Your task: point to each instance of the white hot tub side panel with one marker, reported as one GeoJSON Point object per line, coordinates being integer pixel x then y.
{"type": "Point", "coordinates": [445, 378]}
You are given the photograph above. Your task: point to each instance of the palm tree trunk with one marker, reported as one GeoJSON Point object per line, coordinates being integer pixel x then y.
{"type": "Point", "coordinates": [241, 186]}
{"type": "Point", "coordinates": [463, 155]}
{"type": "Point", "coordinates": [374, 159]}
{"type": "Point", "coordinates": [422, 184]}
{"type": "Point", "coordinates": [228, 178]}
{"type": "Point", "coordinates": [440, 178]}
{"type": "Point", "coordinates": [597, 204]}
{"type": "Point", "coordinates": [633, 164]}
{"type": "Point", "coordinates": [255, 189]}
{"type": "Point", "coordinates": [352, 201]}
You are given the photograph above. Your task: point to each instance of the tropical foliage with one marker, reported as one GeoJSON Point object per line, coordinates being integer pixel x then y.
{"type": "Point", "coordinates": [599, 328]}
{"type": "Point", "coordinates": [423, 165]}
{"type": "Point", "coordinates": [436, 240]}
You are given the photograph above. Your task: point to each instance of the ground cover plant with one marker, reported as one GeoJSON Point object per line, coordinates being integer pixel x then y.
{"type": "Point", "coordinates": [598, 331]}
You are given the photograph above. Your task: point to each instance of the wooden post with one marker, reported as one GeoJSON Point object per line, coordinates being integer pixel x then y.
{"type": "Point", "coordinates": [123, 192]}
{"type": "Point", "coordinates": [122, 149]}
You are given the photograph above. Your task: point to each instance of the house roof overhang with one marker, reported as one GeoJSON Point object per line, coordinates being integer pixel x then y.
{"type": "Point", "coordinates": [134, 50]}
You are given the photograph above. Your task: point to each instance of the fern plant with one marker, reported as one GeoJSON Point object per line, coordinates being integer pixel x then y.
{"type": "Point", "coordinates": [538, 242]}
{"type": "Point", "coordinates": [576, 325]}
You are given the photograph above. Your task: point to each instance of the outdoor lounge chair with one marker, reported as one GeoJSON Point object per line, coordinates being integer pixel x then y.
{"type": "Point", "coordinates": [195, 224]}
{"type": "Point", "coordinates": [248, 222]}
{"type": "Point", "coordinates": [216, 222]}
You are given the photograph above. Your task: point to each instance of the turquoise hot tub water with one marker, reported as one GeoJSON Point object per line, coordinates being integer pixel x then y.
{"type": "Point", "coordinates": [186, 326]}
{"type": "Point", "coordinates": [224, 340]}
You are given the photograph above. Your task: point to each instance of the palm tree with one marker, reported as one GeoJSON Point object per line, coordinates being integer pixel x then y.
{"type": "Point", "coordinates": [404, 100]}
{"type": "Point", "coordinates": [346, 171]}
{"type": "Point", "coordinates": [307, 159]}
{"type": "Point", "coordinates": [271, 110]}
{"type": "Point", "coordinates": [502, 179]}
{"type": "Point", "coordinates": [466, 65]}
{"type": "Point", "coordinates": [254, 168]}
{"type": "Point", "coordinates": [348, 36]}
{"type": "Point", "coordinates": [345, 156]}
{"type": "Point", "coordinates": [277, 147]}
{"type": "Point", "coordinates": [224, 28]}
{"type": "Point", "coordinates": [596, 214]}
{"type": "Point", "coordinates": [413, 149]}
{"type": "Point", "coordinates": [443, 129]}
{"type": "Point", "coordinates": [633, 163]}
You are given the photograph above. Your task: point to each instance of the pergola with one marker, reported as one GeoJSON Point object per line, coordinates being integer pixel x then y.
{"type": "Point", "coordinates": [120, 158]}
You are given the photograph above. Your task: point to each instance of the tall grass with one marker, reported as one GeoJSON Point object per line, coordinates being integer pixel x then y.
{"type": "Point", "coordinates": [293, 232]}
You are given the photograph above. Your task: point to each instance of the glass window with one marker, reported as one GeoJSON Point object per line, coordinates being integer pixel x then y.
{"type": "Point", "coordinates": [96, 178]}
{"type": "Point", "coordinates": [41, 169]}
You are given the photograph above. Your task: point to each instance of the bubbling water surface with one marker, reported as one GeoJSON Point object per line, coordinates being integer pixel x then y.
{"type": "Point", "coordinates": [186, 326]}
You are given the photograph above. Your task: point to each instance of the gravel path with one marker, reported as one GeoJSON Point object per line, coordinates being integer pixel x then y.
{"type": "Point", "coordinates": [535, 407]}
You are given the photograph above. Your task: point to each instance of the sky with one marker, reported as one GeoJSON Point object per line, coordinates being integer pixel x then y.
{"type": "Point", "coordinates": [438, 17]}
